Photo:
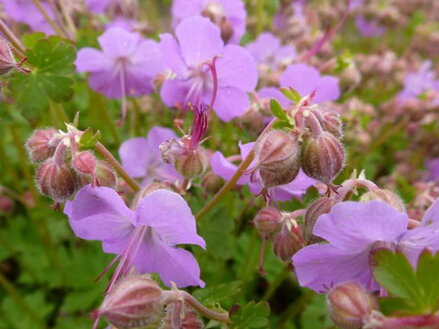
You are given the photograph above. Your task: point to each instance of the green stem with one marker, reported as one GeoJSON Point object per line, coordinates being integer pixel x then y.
{"type": "Point", "coordinates": [102, 150]}
{"type": "Point", "coordinates": [48, 19]}
{"type": "Point", "coordinates": [230, 184]}
{"type": "Point", "coordinates": [16, 296]}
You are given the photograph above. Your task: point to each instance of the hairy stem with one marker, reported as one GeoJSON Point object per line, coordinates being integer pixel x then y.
{"type": "Point", "coordinates": [18, 46]}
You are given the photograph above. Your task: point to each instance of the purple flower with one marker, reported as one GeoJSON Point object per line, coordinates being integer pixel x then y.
{"type": "Point", "coordinates": [191, 82]}
{"type": "Point", "coordinates": [432, 167]}
{"type": "Point", "coordinates": [145, 238]}
{"type": "Point", "coordinates": [25, 11]}
{"type": "Point", "coordinates": [222, 167]}
{"type": "Point", "coordinates": [99, 6]}
{"type": "Point", "coordinates": [141, 157]}
{"type": "Point", "coordinates": [417, 83]}
{"type": "Point", "coordinates": [269, 52]}
{"type": "Point", "coordinates": [369, 28]}
{"type": "Point", "coordinates": [353, 230]}
{"type": "Point", "coordinates": [220, 11]}
{"type": "Point", "coordinates": [306, 79]}
{"type": "Point", "coordinates": [126, 65]}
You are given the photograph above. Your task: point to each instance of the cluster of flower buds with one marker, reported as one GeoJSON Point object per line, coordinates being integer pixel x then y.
{"type": "Point", "coordinates": [138, 301]}
{"type": "Point", "coordinates": [62, 167]}
{"type": "Point", "coordinates": [188, 157]}
{"type": "Point", "coordinates": [282, 229]}
{"type": "Point", "coordinates": [351, 305]}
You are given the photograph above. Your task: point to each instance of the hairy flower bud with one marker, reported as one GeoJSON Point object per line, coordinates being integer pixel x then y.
{"type": "Point", "coordinates": [85, 163]}
{"type": "Point", "coordinates": [323, 157]}
{"type": "Point", "coordinates": [313, 212]}
{"type": "Point", "coordinates": [105, 174]}
{"type": "Point", "coordinates": [288, 240]}
{"type": "Point", "coordinates": [333, 124]}
{"type": "Point", "coordinates": [268, 221]}
{"type": "Point", "coordinates": [39, 144]}
{"type": "Point", "coordinates": [192, 163]}
{"type": "Point", "coordinates": [350, 305]}
{"type": "Point", "coordinates": [386, 196]}
{"type": "Point", "coordinates": [278, 158]}
{"type": "Point", "coordinates": [179, 315]}
{"type": "Point", "coordinates": [55, 180]}
{"type": "Point", "coordinates": [136, 301]}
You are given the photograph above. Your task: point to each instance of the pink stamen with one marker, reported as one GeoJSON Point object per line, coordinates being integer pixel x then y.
{"type": "Point", "coordinates": [124, 98]}
{"type": "Point", "coordinates": [212, 67]}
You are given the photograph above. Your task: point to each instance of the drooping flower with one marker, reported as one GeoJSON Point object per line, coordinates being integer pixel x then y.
{"type": "Point", "coordinates": [353, 230]}
{"type": "Point", "coordinates": [306, 79]}
{"type": "Point", "coordinates": [224, 168]}
{"type": "Point", "coordinates": [145, 237]}
{"type": "Point", "coordinates": [229, 15]}
{"type": "Point", "coordinates": [126, 66]}
{"type": "Point", "coordinates": [419, 82]}
{"type": "Point", "coordinates": [25, 11]}
{"type": "Point", "coordinates": [199, 51]}
{"type": "Point", "coordinates": [268, 51]}
{"type": "Point", "coordinates": [141, 157]}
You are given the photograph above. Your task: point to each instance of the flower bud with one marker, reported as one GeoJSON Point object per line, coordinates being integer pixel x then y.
{"type": "Point", "coordinates": [39, 144]}
{"type": "Point", "coordinates": [323, 157]}
{"type": "Point", "coordinates": [85, 163]}
{"type": "Point", "coordinates": [333, 124]}
{"type": "Point", "coordinates": [386, 196]}
{"type": "Point", "coordinates": [105, 174]}
{"type": "Point", "coordinates": [278, 158]}
{"type": "Point", "coordinates": [289, 240]}
{"type": "Point", "coordinates": [268, 221]}
{"type": "Point", "coordinates": [313, 212]}
{"type": "Point", "coordinates": [147, 190]}
{"type": "Point", "coordinates": [192, 163]}
{"type": "Point", "coordinates": [350, 305]}
{"type": "Point", "coordinates": [211, 182]}
{"type": "Point", "coordinates": [55, 180]}
{"type": "Point", "coordinates": [179, 315]}
{"type": "Point", "coordinates": [6, 204]}
{"type": "Point", "coordinates": [136, 301]}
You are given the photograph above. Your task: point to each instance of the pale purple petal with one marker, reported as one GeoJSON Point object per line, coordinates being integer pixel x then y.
{"type": "Point", "coordinates": [268, 93]}
{"type": "Point", "coordinates": [231, 103]}
{"type": "Point", "coordinates": [235, 12]}
{"type": "Point", "coordinates": [186, 8]}
{"type": "Point", "coordinates": [236, 68]}
{"type": "Point", "coordinates": [327, 90]}
{"type": "Point", "coordinates": [170, 216]}
{"type": "Point", "coordinates": [173, 92]}
{"type": "Point", "coordinates": [98, 6]}
{"type": "Point", "coordinates": [156, 136]}
{"type": "Point", "coordinates": [264, 47]}
{"type": "Point", "coordinates": [91, 60]}
{"type": "Point", "coordinates": [99, 213]}
{"type": "Point", "coordinates": [172, 55]}
{"type": "Point", "coordinates": [117, 42]}
{"type": "Point", "coordinates": [285, 55]}
{"type": "Point", "coordinates": [225, 169]}
{"type": "Point", "coordinates": [135, 156]}
{"type": "Point", "coordinates": [107, 83]}
{"type": "Point", "coordinates": [148, 58]}
{"type": "Point", "coordinates": [245, 149]}
{"type": "Point", "coordinates": [137, 82]}
{"type": "Point", "coordinates": [172, 264]}
{"type": "Point", "coordinates": [199, 40]}
{"type": "Point", "coordinates": [296, 189]}
{"type": "Point", "coordinates": [319, 267]}
{"type": "Point", "coordinates": [303, 78]}
{"type": "Point", "coordinates": [356, 225]}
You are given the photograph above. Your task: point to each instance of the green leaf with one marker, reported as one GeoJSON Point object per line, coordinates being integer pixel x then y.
{"type": "Point", "coordinates": [393, 271]}
{"type": "Point", "coordinates": [89, 139]}
{"type": "Point", "coordinates": [219, 293]}
{"type": "Point", "coordinates": [282, 125]}
{"type": "Point", "coordinates": [252, 315]}
{"type": "Point", "coordinates": [427, 271]}
{"type": "Point", "coordinates": [277, 110]}
{"type": "Point", "coordinates": [291, 94]}
{"type": "Point", "coordinates": [51, 60]}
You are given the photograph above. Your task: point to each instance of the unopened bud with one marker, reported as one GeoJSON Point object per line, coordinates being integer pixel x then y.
{"type": "Point", "coordinates": [333, 124]}
{"type": "Point", "coordinates": [211, 182]}
{"type": "Point", "coordinates": [147, 190]}
{"type": "Point", "coordinates": [386, 196]}
{"type": "Point", "coordinates": [288, 240]}
{"type": "Point", "coordinates": [179, 315]}
{"type": "Point", "coordinates": [192, 163]}
{"type": "Point", "coordinates": [313, 212]}
{"type": "Point", "coordinates": [278, 158]}
{"type": "Point", "coordinates": [226, 29]}
{"type": "Point", "coordinates": [55, 180]}
{"type": "Point", "coordinates": [268, 221]}
{"type": "Point", "coordinates": [136, 301]}
{"type": "Point", "coordinates": [350, 305]}
{"type": "Point", "coordinates": [105, 174]}
{"type": "Point", "coordinates": [85, 163]}
{"type": "Point", "coordinates": [323, 157]}
{"type": "Point", "coordinates": [39, 144]}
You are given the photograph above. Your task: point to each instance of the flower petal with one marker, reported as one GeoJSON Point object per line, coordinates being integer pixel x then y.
{"type": "Point", "coordinates": [231, 103]}
{"type": "Point", "coordinates": [182, 9]}
{"type": "Point", "coordinates": [199, 40]}
{"type": "Point", "coordinates": [295, 189]}
{"type": "Point", "coordinates": [117, 42]}
{"type": "Point", "coordinates": [107, 83]}
{"type": "Point", "coordinates": [225, 169]}
{"type": "Point", "coordinates": [148, 58]}
{"type": "Point", "coordinates": [99, 214]}
{"type": "Point", "coordinates": [171, 53]}
{"type": "Point", "coordinates": [321, 266]}
{"type": "Point", "coordinates": [264, 47]}
{"type": "Point", "coordinates": [91, 60]}
{"type": "Point", "coordinates": [356, 225]}
{"type": "Point", "coordinates": [135, 156]}
{"type": "Point", "coordinates": [174, 92]}
{"type": "Point", "coordinates": [171, 263]}
{"type": "Point", "coordinates": [237, 68]}
{"type": "Point", "coordinates": [327, 90]}
{"type": "Point", "coordinates": [303, 78]}
{"type": "Point", "coordinates": [170, 216]}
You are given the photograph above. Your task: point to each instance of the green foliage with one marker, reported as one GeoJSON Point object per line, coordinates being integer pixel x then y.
{"type": "Point", "coordinates": [51, 60]}
{"type": "Point", "coordinates": [291, 94]}
{"type": "Point", "coordinates": [89, 139]}
{"type": "Point", "coordinates": [252, 315]}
